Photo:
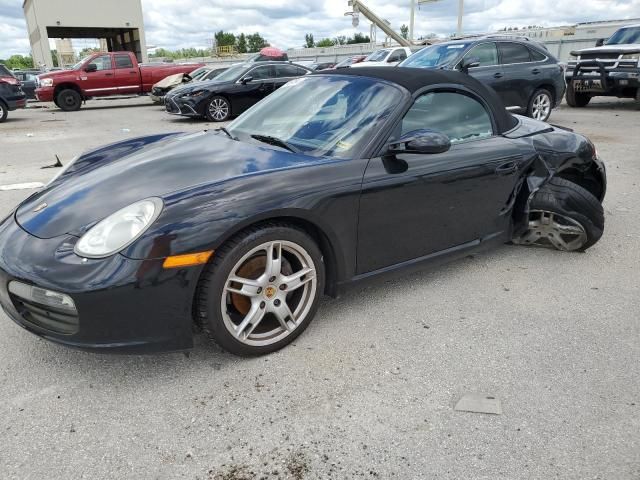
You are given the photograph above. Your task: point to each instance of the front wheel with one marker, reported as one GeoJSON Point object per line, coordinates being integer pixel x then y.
{"type": "Point", "coordinates": [69, 100]}
{"type": "Point", "coordinates": [576, 99]}
{"type": "Point", "coordinates": [4, 111]}
{"type": "Point", "coordinates": [218, 109]}
{"type": "Point", "coordinates": [261, 290]}
{"type": "Point", "coordinates": [540, 105]}
{"type": "Point", "coordinates": [564, 216]}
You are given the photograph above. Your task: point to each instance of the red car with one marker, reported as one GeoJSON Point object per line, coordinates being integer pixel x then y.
{"type": "Point", "coordinates": [103, 74]}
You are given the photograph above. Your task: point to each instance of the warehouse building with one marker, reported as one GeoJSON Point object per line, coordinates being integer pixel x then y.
{"type": "Point", "coordinates": [118, 22]}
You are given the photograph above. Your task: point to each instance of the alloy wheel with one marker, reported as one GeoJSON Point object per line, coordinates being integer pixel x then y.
{"type": "Point", "coordinates": [269, 293]}
{"type": "Point", "coordinates": [218, 109]}
{"type": "Point", "coordinates": [541, 107]}
{"type": "Point", "coordinates": [552, 229]}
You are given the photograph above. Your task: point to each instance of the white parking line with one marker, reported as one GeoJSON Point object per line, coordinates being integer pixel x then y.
{"type": "Point", "coordinates": [21, 186]}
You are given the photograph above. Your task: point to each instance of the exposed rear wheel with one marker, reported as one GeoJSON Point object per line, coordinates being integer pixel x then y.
{"type": "Point", "coordinates": [261, 290]}
{"type": "Point", "coordinates": [4, 111]}
{"type": "Point", "coordinates": [564, 216]}
{"type": "Point", "coordinates": [69, 100]}
{"type": "Point", "coordinates": [218, 109]}
{"type": "Point", "coordinates": [576, 99]}
{"type": "Point", "coordinates": [540, 105]}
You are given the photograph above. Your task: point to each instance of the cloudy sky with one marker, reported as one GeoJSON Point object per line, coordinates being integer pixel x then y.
{"type": "Point", "coordinates": [190, 23]}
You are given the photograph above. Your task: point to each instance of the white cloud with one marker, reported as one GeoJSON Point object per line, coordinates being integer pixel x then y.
{"type": "Point", "coordinates": [191, 23]}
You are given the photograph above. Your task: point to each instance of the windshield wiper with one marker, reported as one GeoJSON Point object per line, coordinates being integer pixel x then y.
{"type": "Point", "coordinates": [275, 141]}
{"type": "Point", "coordinates": [224, 130]}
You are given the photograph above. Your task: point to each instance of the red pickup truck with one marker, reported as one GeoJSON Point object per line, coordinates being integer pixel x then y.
{"type": "Point", "coordinates": [103, 74]}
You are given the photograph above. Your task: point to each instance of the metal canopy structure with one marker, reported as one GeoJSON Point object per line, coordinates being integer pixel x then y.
{"type": "Point", "coordinates": [359, 7]}
{"type": "Point", "coordinates": [119, 22]}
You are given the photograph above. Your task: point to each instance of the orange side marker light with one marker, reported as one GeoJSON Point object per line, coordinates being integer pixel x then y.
{"type": "Point", "coordinates": [187, 260]}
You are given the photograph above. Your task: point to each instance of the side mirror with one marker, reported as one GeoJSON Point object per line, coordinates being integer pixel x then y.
{"type": "Point", "coordinates": [468, 63]}
{"type": "Point", "coordinates": [420, 141]}
{"type": "Point", "coordinates": [599, 42]}
{"type": "Point", "coordinates": [246, 79]}
{"type": "Point", "coordinates": [92, 67]}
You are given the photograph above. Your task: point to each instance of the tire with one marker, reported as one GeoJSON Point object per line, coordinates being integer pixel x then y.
{"type": "Point", "coordinates": [540, 105]}
{"type": "Point", "coordinates": [69, 100]}
{"type": "Point", "coordinates": [218, 109]}
{"type": "Point", "coordinates": [564, 216]}
{"type": "Point", "coordinates": [271, 298]}
{"type": "Point", "coordinates": [4, 111]}
{"type": "Point", "coordinates": [576, 99]}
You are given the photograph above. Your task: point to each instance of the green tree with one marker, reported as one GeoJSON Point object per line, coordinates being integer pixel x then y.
{"type": "Point", "coordinates": [255, 43]}
{"type": "Point", "coordinates": [325, 42]}
{"type": "Point", "coordinates": [242, 43]}
{"type": "Point", "coordinates": [87, 51]}
{"type": "Point", "coordinates": [224, 39]}
{"type": "Point", "coordinates": [358, 38]}
{"type": "Point", "coordinates": [18, 62]}
{"type": "Point", "coordinates": [309, 42]}
{"type": "Point", "coordinates": [404, 31]}
{"type": "Point", "coordinates": [340, 40]}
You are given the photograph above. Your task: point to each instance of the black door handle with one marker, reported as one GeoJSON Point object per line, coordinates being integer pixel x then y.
{"type": "Point", "coordinates": [497, 75]}
{"type": "Point", "coordinates": [507, 168]}
{"type": "Point", "coordinates": [535, 71]}
{"type": "Point", "coordinates": [108, 74]}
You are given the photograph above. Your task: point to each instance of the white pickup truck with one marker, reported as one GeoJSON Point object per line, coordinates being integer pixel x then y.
{"type": "Point", "coordinates": [611, 68]}
{"type": "Point", "coordinates": [387, 57]}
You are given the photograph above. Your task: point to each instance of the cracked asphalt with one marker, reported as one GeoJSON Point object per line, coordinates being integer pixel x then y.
{"type": "Point", "coordinates": [368, 390]}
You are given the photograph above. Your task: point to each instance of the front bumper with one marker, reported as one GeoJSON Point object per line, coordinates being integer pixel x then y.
{"type": "Point", "coordinates": [124, 305]}
{"type": "Point", "coordinates": [181, 106]}
{"type": "Point", "coordinates": [44, 94]}
{"type": "Point", "coordinates": [593, 76]}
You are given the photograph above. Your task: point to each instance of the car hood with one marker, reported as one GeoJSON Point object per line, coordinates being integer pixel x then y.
{"type": "Point", "coordinates": [103, 181]}
{"type": "Point", "coordinates": [629, 48]}
{"type": "Point", "coordinates": [170, 81]}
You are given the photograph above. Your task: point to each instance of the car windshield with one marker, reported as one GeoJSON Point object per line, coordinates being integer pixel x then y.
{"type": "Point", "coordinates": [198, 72]}
{"type": "Point", "coordinates": [625, 36]}
{"type": "Point", "coordinates": [378, 56]}
{"type": "Point", "coordinates": [435, 55]}
{"type": "Point", "coordinates": [4, 72]}
{"type": "Point", "coordinates": [321, 115]}
{"type": "Point", "coordinates": [232, 74]}
{"type": "Point", "coordinates": [79, 64]}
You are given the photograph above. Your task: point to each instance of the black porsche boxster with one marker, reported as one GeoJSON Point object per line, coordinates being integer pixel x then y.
{"type": "Point", "coordinates": [334, 179]}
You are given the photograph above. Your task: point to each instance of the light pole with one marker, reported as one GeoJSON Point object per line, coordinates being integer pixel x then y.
{"type": "Point", "coordinates": [413, 13]}
{"type": "Point", "coordinates": [460, 13]}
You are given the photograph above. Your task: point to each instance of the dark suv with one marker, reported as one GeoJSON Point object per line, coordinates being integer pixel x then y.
{"type": "Point", "coordinates": [11, 95]}
{"type": "Point", "coordinates": [523, 73]}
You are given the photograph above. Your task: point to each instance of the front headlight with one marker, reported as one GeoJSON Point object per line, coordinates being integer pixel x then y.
{"type": "Point", "coordinates": [119, 230]}
{"type": "Point", "coordinates": [46, 82]}
{"type": "Point", "coordinates": [630, 56]}
{"type": "Point", "coordinates": [195, 94]}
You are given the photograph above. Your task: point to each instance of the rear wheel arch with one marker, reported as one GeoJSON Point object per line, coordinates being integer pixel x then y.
{"type": "Point", "coordinates": [591, 179]}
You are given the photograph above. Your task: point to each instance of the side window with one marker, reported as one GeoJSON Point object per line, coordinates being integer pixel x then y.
{"type": "Point", "coordinates": [457, 115]}
{"type": "Point", "coordinates": [283, 71]}
{"type": "Point", "coordinates": [514, 53]}
{"type": "Point", "coordinates": [537, 56]}
{"type": "Point", "coordinates": [301, 71]}
{"type": "Point", "coordinates": [261, 73]}
{"type": "Point", "coordinates": [486, 53]}
{"type": "Point", "coordinates": [397, 56]}
{"type": "Point", "coordinates": [123, 61]}
{"type": "Point", "coordinates": [103, 62]}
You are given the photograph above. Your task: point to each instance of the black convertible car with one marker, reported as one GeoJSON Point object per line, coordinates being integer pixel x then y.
{"type": "Point", "coordinates": [233, 91]}
{"type": "Point", "coordinates": [336, 178]}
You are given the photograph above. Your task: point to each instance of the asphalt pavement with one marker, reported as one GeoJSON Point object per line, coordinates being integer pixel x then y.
{"type": "Point", "coordinates": [368, 391]}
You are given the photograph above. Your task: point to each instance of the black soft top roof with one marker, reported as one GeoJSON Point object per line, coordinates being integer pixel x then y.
{"type": "Point", "coordinates": [413, 79]}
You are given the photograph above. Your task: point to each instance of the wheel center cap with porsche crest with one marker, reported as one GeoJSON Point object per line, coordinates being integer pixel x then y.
{"type": "Point", "coordinates": [270, 292]}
